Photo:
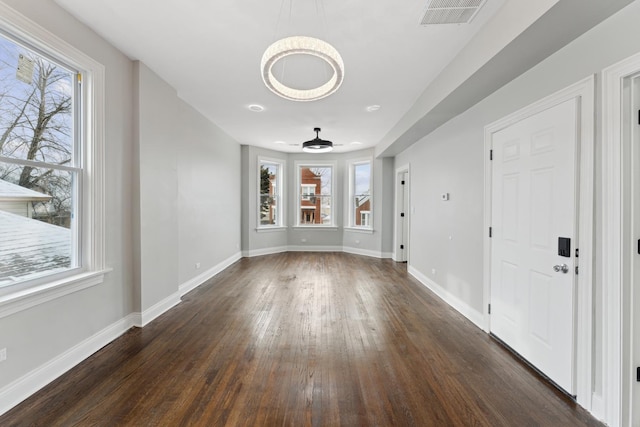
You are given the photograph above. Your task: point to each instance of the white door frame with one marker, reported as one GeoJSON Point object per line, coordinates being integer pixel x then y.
{"type": "Point", "coordinates": [616, 261]}
{"type": "Point", "coordinates": [583, 91]}
{"type": "Point", "coordinates": [397, 209]}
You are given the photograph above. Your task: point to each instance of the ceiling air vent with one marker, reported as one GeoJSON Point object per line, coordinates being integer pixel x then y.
{"type": "Point", "coordinates": [450, 11]}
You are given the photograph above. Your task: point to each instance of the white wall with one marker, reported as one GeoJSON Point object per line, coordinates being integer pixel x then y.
{"type": "Point", "coordinates": [450, 159]}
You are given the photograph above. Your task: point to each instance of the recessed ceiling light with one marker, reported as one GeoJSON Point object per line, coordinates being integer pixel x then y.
{"type": "Point", "coordinates": [255, 107]}
{"type": "Point", "coordinates": [372, 108]}
{"type": "Point", "coordinates": [279, 142]}
{"type": "Point", "coordinates": [356, 143]}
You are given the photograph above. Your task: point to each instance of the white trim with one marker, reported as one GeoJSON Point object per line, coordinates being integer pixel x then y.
{"type": "Point", "coordinates": [92, 209]}
{"type": "Point", "coordinates": [20, 389]}
{"type": "Point", "coordinates": [17, 301]}
{"type": "Point", "coordinates": [345, 249]}
{"type": "Point", "coordinates": [349, 194]}
{"type": "Point", "coordinates": [614, 264]}
{"type": "Point", "coordinates": [270, 229]}
{"type": "Point", "coordinates": [584, 92]}
{"type": "Point", "coordinates": [314, 249]}
{"type": "Point", "coordinates": [193, 283]}
{"type": "Point", "coordinates": [158, 309]}
{"type": "Point", "coordinates": [363, 252]}
{"type": "Point", "coordinates": [396, 210]}
{"type": "Point", "coordinates": [265, 251]}
{"type": "Point", "coordinates": [597, 406]}
{"type": "Point", "coordinates": [334, 199]}
{"type": "Point", "coordinates": [364, 230]}
{"type": "Point", "coordinates": [459, 305]}
{"type": "Point", "coordinates": [281, 196]}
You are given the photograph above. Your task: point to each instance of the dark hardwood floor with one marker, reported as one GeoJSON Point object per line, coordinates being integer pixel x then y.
{"type": "Point", "coordinates": [303, 339]}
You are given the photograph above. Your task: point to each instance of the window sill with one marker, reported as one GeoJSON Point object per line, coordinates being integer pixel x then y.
{"type": "Point", "coordinates": [316, 227]}
{"type": "Point", "coordinates": [270, 229]}
{"type": "Point", "coordinates": [363, 230]}
{"type": "Point", "coordinates": [15, 302]}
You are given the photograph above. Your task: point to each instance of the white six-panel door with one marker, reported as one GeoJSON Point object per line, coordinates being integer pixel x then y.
{"type": "Point", "coordinates": [533, 204]}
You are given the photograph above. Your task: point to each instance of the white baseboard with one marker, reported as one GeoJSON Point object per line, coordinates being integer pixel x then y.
{"type": "Point", "coordinates": [23, 387]}
{"type": "Point", "coordinates": [314, 248]}
{"type": "Point", "coordinates": [597, 406]}
{"type": "Point", "coordinates": [158, 309]}
{"type": "Point", "coordinates": [363, 252]}
{"type": "Point", "coordinates": [191, 284]}
{"type": "Point", "coordinates": [265, 251]}
{"type": "Point", "coordinates": [462, 307]}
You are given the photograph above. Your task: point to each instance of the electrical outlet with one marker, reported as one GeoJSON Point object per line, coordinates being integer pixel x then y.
{"type": "Point", "coordinates": [3, 354]}
{"type": "Point", "coordinates": [197, 265]}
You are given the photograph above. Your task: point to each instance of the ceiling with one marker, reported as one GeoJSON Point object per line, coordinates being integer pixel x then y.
{"type": "Point", "coordinates": [210, 52]}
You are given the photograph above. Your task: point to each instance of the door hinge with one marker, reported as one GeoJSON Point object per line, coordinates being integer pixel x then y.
{"type": "Point", "coordinates": [577, 253]}
{"type": "Point", "coordinates": [490, 232]}
{"type": "Point", "coordinates": [402, 214]}
{"type": "Point", "coordinates": [489, 308]}
{"type": "Point", "coordinates": [638, 374]}
{"type": "Point", "coordinates": [490, 154]}
{"type": "Point", "coordinates": [639, 117]}
{"type": "Point", "coordinates": [402, 182]}
{"type": "Point", "coordinates": [576, 269]}
{"type": "Point", "coordinates": [401, 246]}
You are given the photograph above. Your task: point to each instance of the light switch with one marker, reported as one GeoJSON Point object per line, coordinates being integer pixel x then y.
{"type": "Point", "coordinates": [444, 197]}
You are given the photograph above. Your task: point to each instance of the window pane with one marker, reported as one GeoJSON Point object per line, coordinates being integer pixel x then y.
{"type": "Point", "coordinates": [362, 174]}
{"type": "Point", "coordinates": [315, 195]}
{"type": "Point", "coordinates": [268, 208]}
{"type": "Point", "coordinates": [36, 218]}
{"type": "Point", "coordinates": [269, 194]}
{"type": "Point", "coordinates": [36, 100]}
{"type": "Point", "coordinates": [361, 197]}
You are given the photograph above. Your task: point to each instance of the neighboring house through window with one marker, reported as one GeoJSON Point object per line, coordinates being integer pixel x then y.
{"type": "Point", "coordinates": [315, 194]}
{"type": "Point", "coordinates": [360, 203]}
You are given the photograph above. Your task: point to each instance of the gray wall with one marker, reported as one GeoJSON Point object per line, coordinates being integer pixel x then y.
{"type": "Point", "coordinates": [208, 194]}
{"type": "Point", "coordinates": [156, 141]}
{"type": "Point", "coordinates": [35, 336]}
{"type": "Point", "coordinates": [451, 159]}
{"type": "Point", "coordinates": [189, 199]}
{"type": "Point", "coordinates": [172, 191]}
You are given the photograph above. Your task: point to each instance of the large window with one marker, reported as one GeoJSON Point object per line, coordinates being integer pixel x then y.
{"type": "Point", "coordinates": [270, 193]}
{"type": "Point", "coordinates": [360, 202]}
{"type": "Point", "coordinates": [40, 167]}
{"type": "Point", "coordinates": [51, 176]}
{"type": "Point", "coordinates": [315, 195]}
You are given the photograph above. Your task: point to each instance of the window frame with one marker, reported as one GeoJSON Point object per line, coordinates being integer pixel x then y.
{"type": "Point", "coordinates": [280, 211]}
{"type": "Point", "coordinates": [299, 164]}
{"type": "Point", "coordinates": [351, 210]}
{"type": "Point", "coordinates": [90, 239]}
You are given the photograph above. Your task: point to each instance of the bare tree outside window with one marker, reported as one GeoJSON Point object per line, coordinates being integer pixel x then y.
{"type": "Point", "coordinates": [37, 160]}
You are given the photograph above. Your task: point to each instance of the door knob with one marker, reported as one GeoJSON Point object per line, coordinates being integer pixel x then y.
{"type": "Point", "coordinates": [561, 267]}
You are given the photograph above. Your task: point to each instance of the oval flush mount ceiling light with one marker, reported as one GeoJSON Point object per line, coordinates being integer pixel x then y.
{"type": "Point", "coordinates": [301, 45]}
{"type": "Point", "coordinates": [317, 145]}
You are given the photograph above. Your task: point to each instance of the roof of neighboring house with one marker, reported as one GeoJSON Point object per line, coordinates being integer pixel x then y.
{"type": "Point", "coordinates": [11, 192]}
{"type": "Point", "coordinates": [29, 247]}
